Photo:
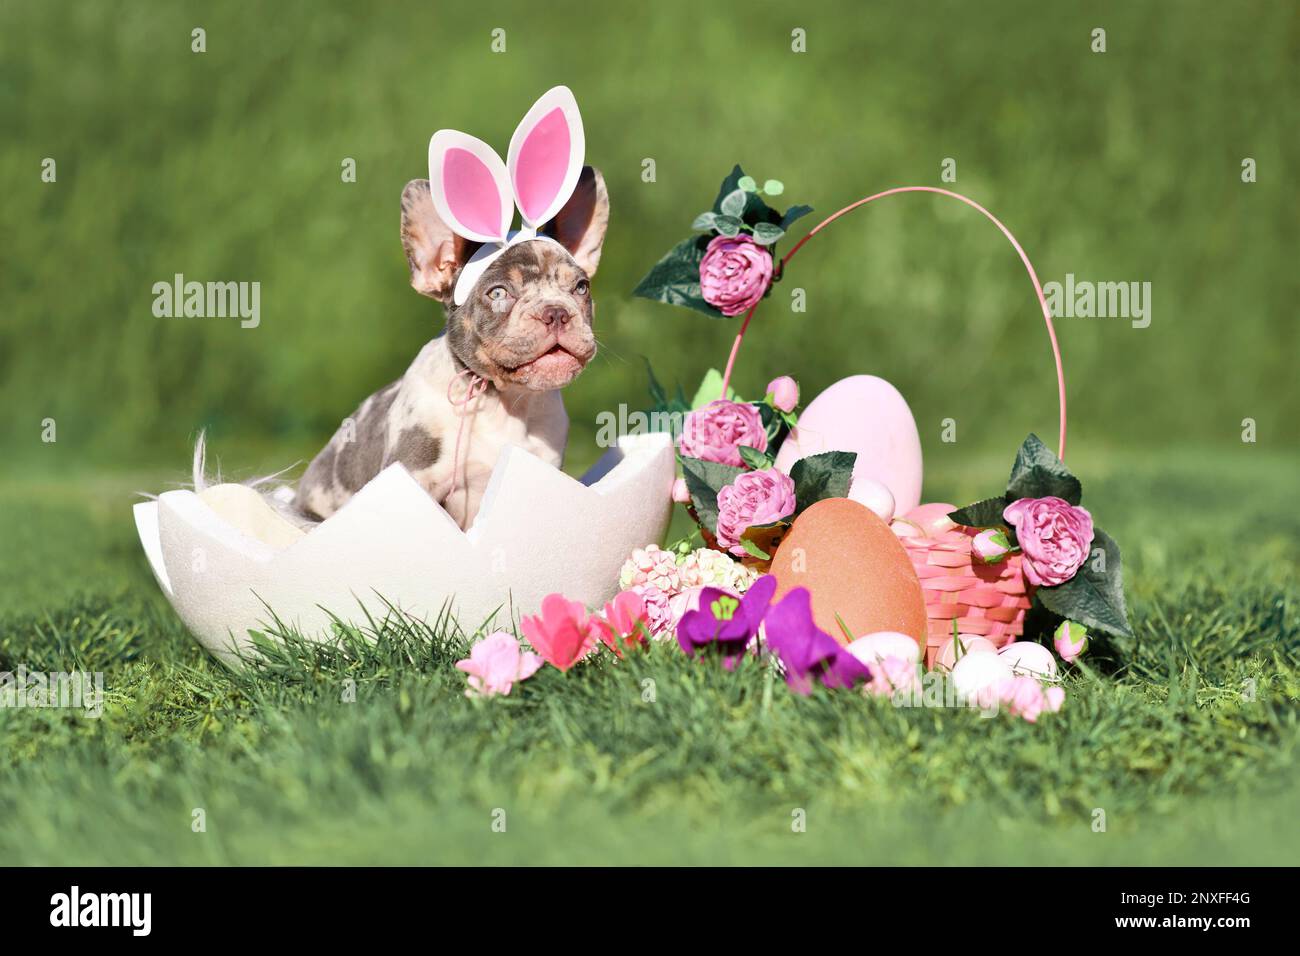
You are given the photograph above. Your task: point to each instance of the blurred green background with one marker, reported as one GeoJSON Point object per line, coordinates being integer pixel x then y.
{"type": "Point", "coordinates": [1123, 166]}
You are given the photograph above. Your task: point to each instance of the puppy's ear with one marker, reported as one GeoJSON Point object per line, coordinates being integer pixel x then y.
{"type": "Point", "coordinates": [580, 225]}
{"type": "Point", "coordinates": [434, 253]}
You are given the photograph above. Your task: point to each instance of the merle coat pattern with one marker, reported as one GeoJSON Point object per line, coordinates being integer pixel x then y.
{"type": "Point", "coordinates": [525, 331]}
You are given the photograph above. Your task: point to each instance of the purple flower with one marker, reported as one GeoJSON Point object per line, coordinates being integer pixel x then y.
{"type": "Point", "coordinates": [726, 622]}
{"type": "Point", "coordinates": [808, 652]}
{"type": "Point", "coordinates": [734, 273]}
{"type": "Point", "coordinates": [754, 498]}
{"type": "Point", "coordinates": [716, 432]}
{"type": "Point", "coordinates": [1054, 537]}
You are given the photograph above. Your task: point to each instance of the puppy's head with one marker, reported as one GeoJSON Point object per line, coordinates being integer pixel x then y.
{"type": "Point", "coordinates": [528, 319]}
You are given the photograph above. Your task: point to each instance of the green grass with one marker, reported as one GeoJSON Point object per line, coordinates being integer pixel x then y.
{"type": "Point", "coordinates": [1160, 734]}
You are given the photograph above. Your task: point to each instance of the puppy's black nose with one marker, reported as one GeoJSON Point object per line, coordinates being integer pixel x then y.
{"type": "Point", "coordinates": [554, 316]}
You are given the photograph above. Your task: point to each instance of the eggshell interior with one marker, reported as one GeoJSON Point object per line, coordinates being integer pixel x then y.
{"type": "Point", "coordinates": [855, 567]}
{"type": "Point", "coordinates": [538, 531]}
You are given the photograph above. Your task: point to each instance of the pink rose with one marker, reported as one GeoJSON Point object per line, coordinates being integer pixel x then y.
{"type": "Point", "coordinates": [991, 545]}
{"type": "Point", "coordinates": [1071, 640]}
{"type": "Point", "coordinates": [754, 498]}
{"type": "Point", "coordinates": [785, 393]}
{"type": "Point", "coordinates": [680, 493]}
{"type": "Point", "coordinates": [716, 432]}
{"type": "Point", "coordinates": [734, 273]}
{"type": "Point", "coordinates": [1054, 537]}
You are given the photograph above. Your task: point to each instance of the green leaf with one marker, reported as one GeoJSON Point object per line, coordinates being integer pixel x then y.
{"type": "Point", "coordinates": [727, 225]}
{"type": "Point", "coordinates": [793, 213]}
{"type": "Point", "coordinates": [733, 204]}
{"type": "Point", "coordinates": [822, 476]}
{"type": "Point", "coordinates": [754, 549]}
{"type": "Point", "coordinates": [754, 458]}
{"type": "Point", "coordinates": [704, 479]}
{"type": "Point", "coordinates": [710, 390]}
{"type": "Point", "coordinates": [774, 187]}
{"type": "Point", "coordinates": [981, 514]}
{"type": "Point", "coordinates": [675, 279]}
{"type": "Point", "coordinates": [705, 221]}
{"type": "Point", "coordinates": [1038, 473]}
{"type": "Point", "coordinates": [747, 183]}
{"type": "Point", "coordinates": [766, 233]}
{"type": "Point", "coordinates": [755, 209]}
{"type": "Point", "coordinates": [773, 424]}
{"type": "Point", "coordinates": [1093, 597]}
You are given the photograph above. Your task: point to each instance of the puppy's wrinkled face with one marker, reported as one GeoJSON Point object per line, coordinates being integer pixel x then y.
{"type": "Point", "coordinates": [527, 321]}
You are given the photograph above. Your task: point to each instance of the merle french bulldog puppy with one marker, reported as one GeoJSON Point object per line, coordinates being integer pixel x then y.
{"type": "Point", "coordinates": [492, 378]}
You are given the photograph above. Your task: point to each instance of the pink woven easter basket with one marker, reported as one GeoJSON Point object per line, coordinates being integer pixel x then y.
{"type": "Point", "coordinates": [985, 600]}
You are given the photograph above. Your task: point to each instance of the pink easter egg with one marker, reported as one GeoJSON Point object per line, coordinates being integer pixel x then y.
{"type": "Point", "coordinates": [866, 415]}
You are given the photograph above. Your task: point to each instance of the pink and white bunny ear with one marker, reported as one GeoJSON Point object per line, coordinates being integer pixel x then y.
{"type": "Point", "coordinates": [470, 186]}
{"type": "Point", "coordinates": [545, 157]}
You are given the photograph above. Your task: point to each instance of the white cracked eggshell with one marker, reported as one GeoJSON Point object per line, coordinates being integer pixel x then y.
{"type": "Point", "coordinates": [538, 531]}
{"type": "Point", "coordinates": [866, 415]}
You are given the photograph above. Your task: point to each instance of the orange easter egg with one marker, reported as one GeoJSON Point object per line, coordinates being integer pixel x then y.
{"type": "Point", "coordinates": [855, 567]}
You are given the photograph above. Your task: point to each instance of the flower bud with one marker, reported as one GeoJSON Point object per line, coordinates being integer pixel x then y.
{"type": "Point", "coordinates": [681, 494]}
{"type": "Point", "coordinates": [991, 545]}
{"type": "Point", "coordinates": [784, 392]}
{"type": "Point", "coordinates": [1071, 640]}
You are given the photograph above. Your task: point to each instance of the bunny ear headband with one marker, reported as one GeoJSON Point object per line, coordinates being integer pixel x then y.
{"type": "Point", "coordinates": [475, 193]}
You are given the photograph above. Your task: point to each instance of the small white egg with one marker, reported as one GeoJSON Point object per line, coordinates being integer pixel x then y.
{"type": "Point", "coordinates": [971, 644]}
{"type": "Point", "coordinates": [873, 648]}
{"type": "Point", "coordinates": [1029, 658]}
{"type": "Point", "coordinates": [979, 672]}
{"type": "Point", "coordinates": [873, 494]}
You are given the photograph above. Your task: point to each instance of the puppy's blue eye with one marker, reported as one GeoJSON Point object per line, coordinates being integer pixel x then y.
{"type": "Point", "coordinates": [497, 293]}
{"type": "Point", "coordinates": [582, 287]}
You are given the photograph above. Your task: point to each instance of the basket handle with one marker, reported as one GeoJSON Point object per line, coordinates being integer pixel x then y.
{"type": "Point", "coordinates": [1029, 267]}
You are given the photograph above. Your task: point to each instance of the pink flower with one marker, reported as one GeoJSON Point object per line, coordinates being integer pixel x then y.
{"type": "Point", "coordinates": [651, 565]}
{"type": "Point", "coordinates": [1054, 536]}
{"type": "Point", "coordinates": [1025, 697]}
{"type": "Point", "coordinates": [716, 432]}
{"type": "Point", "coordinates": [563, 633]}
{"type": "Point", "coordinates": [659, 616]}
{"type": "Point", "coordinates": [784, 392]}
{"type": "Point", "coordinates": [990, 545]}
{"type": "Point", "coordinates": [1071, 640]}
{"type": "Point", "coordinates": [734, 273]}
{"type": "Point", "coordinates": [625, 623]}
{"type": "Point", "coordinates": [754, 498]}
{"type": "Point", "coordinates": [495, 664]}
